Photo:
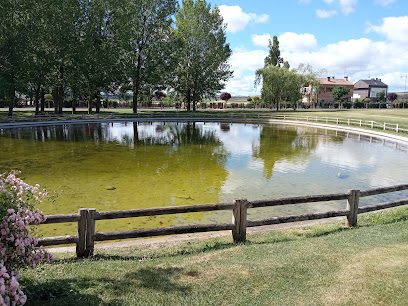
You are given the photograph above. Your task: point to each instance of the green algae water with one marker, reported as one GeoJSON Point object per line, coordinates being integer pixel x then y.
{"type": "Point", "coordinates": [131, 165]}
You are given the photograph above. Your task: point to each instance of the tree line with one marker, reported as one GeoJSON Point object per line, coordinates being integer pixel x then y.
{"type": "Point", "coordinates": [280, 83]}
{"type": "Point", "coordinates": [81, 48]}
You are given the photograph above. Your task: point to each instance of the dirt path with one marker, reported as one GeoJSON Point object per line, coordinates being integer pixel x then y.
{"type": "Point", "coordinates": [174, 239]}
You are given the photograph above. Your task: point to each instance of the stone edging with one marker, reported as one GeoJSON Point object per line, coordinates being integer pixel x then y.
{"type": "Point", "coordinates": [382, 135]}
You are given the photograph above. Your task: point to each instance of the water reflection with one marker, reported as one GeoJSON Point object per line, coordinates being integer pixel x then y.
{"type": "Point", "coordinates": [113, 166]}
{"type": "Point", "coordinates": [280, 143]}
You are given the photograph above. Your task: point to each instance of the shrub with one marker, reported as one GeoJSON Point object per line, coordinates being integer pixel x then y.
{"type": "Point", "coordinates": [18, 249]}
{"type": "Point", "coordinates": [347, 105]}
{"type": "Point", "coordinates": [68, 102]}
{"type": "Point", "coordinates": [358, 104]}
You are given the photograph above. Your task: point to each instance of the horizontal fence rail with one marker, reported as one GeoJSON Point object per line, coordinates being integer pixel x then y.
{"type": "Point", "coordinates": [86, 236]}
{"type": "Point", "coordinates": [393, 127]}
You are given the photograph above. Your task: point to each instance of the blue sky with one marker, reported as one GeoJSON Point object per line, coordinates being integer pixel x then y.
{"type": "Point", "coordinates": [354, 38]}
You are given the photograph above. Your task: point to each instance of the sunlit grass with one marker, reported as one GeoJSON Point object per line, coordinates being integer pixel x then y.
{"type": "Point", "coordinates": [316, 265]}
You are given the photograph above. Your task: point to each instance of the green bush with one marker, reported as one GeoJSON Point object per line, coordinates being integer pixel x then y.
{"type": "Point", "coordinates": [67, 102]}
{"type": "Point", "coordinates": [347, 105]}
{"type": "Point", "coordinates": [358, 104]}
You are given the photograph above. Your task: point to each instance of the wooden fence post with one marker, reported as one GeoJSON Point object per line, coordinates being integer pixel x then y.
{"type": "Point", "coordinates": [239, 218]}
{"type": "Point", "coordinates": [352, 205]}
{"type": "Point", "coordinates": [81, 244]}
{"type": "Point", "coordinates": [90, 232]}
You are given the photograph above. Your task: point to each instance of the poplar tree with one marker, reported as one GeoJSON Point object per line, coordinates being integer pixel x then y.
{"type": "Point", "coordinates": [145, 35]}
{"type": "Point", "coordinates": [202, 52]}
{"type": "Point", "coordinates": [274, 58]}
{"type": "Point", "coordinates": [14, 26]}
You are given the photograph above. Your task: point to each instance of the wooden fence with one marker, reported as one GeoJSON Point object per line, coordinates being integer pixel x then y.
{"type": "Point", "coordinates": [86, 236]}
{"type": "Point", "coordinates": [394, 127]}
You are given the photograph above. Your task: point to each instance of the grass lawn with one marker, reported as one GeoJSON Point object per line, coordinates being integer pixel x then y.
{"type": "Point", "coordinates": [379, 115]}
{"type": "Point", "coordinates": [316, 265]}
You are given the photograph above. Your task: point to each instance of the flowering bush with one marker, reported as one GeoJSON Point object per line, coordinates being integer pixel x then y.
{"type": "Point", "coordinates": [17, 248]}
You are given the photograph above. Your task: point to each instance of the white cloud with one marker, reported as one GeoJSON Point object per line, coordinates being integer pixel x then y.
{"type": "Point", "coordinates": [393, 28]}
{"type": "Point", "coordinates": [261, 40]}
{"type": "Point", "coordinates": [297, 42]}
{"type": "Point", "coordinates": [356, 58]}
{"type": "Point", "coordinates": [244, 63]}
{"type": "Point", "coordinates": [250, 60]}
{"type": "Point", "coordinates": [346, 6]}
{"type": "Point", "coordinates": [236, 19]}
{"type": "Point", "coordinates": [325, 14]}
{"type": "Point", "coordinates": [383, 2]}
{"type": "Point", "coordinates": [288, 41]}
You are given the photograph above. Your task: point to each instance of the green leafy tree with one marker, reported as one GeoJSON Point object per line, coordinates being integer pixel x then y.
{"type": "Point", "coordinates": [310, 80]}
{"type": "Point", "coordinates": [278, 84]}
{"type": "Point", "coordinates": [14, 31]}
{"type": "Point", "coordinates": [202, 52]}
{"type": "Point", "coordinates": [380, 96]}
{"type": "Point", "coordinates": [99, 66]}
{"type": "Point", "coordinates": [339, 93]}
{"type": "Point", "coordinates": [273, 58]}
{"type": "Point", "coordinates": [144, 33]}
{"type": "Point", "coordinates": [64, 21]}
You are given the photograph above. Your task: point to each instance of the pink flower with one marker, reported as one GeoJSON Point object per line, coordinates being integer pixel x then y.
{"type": "Point", "coordinates": [17, 247]}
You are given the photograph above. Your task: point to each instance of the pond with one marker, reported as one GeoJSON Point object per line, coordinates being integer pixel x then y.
{"type": "Point", "coordinates": [129, 165]}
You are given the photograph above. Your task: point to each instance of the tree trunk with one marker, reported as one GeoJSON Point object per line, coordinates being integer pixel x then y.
{"type": "Point", "coordinates": [37, 99]}
{"type": "Point", "coordinates": [188, 99]}
{"type": "Point", "coordinates": [60, 99]}
{"type": "Point", "coordinates": [89, 104]}
{"type": "Point", "coordinates": [74, 103]}
{"type": "Point", "coordinates": [98, 102]}
{"type": "Point", "coordinates": [55, 94]}
{"type": "Point", "coordinates": [10, 111]}
{"type": "Point", "coordinates": [42, 100]}
{"type": "Point", "coordinates": [136, 81]}
{"type": "Point", "coordinates": [134, 99]}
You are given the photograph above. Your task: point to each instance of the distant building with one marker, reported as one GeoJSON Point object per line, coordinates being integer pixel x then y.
{"type": "Point", "coordinates": [369, 89]}
{"type": "Point", "coordinates": [327, 85]}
